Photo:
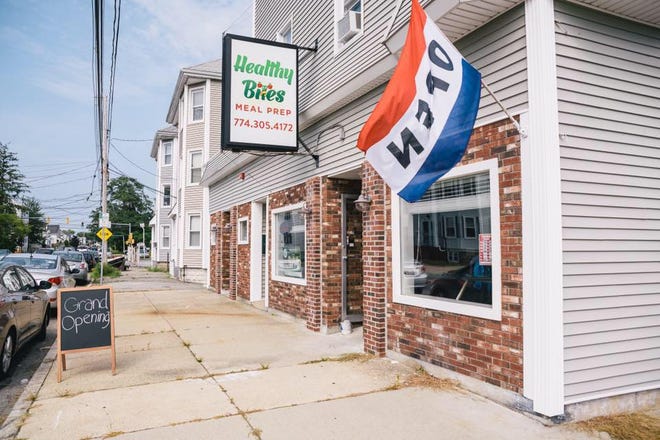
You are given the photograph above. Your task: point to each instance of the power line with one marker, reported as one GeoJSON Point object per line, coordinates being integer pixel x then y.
{"type": "Point", "coordinates": [131, 140]}
{"type": "Point", "coordinates": [113, 65]}
{"type": "Point", "coordinates": [138, 166]}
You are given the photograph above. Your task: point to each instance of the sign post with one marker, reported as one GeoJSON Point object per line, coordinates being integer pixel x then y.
{"type": "Point", "coordinates": [85, 322]}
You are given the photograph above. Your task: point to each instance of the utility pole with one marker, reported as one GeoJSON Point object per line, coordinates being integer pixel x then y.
{"type": "Point", "coordinates": [105, 174]}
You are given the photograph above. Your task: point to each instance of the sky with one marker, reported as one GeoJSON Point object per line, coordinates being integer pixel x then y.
{"type": "Point", "coordinates": [47, 96]}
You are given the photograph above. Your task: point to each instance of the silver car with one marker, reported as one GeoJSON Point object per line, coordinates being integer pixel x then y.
{"type": "Point", "coordinates": [43, 267]}
{"type": "Point", "coordinates": [76, 260]}
{"type": "Point", "coordinates": [24, 312]}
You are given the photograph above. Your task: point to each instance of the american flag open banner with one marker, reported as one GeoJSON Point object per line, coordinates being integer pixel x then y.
{"type": "Point", "coordinates": [421, 126]}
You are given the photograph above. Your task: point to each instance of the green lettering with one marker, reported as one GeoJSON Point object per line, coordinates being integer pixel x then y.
{"type": "Point", "coordinates": [249, 90]}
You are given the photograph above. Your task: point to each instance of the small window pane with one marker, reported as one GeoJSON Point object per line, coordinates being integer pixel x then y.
{"type": "Point", "coordinates": [167, 153]}
{"type": "Point", "coordinates": [165, 237]}
{"type": "Point", "coordinates": [166, 195]}
{"type": "Point", "coordinates": [289, 244]}
{"type": "Point", "coordinates": [195, 233]}
{"type": "Point", "coordinates": [197, 104]}
{"type": "Point", "coordinates": [195, 167]}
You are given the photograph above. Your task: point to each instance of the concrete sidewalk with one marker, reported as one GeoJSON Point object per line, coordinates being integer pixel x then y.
{"type": "Point", "coordinates": [192, 364]}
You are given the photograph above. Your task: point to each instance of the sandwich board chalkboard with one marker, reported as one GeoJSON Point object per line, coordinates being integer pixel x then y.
{"type": "Point", "coordinates": [85, 322]}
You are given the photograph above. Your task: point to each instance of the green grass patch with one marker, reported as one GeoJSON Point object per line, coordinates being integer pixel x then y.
{"type": "Point", "coordinates": [108, 272]}
{"type": "Point", "coordinates": [157, 269]}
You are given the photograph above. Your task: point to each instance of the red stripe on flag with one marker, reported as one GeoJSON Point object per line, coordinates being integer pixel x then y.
{"type": "Point", "coordinates": [401, 89]}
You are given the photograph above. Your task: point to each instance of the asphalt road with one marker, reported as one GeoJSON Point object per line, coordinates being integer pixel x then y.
{"type": "Point", "coordinates": [26, 363]}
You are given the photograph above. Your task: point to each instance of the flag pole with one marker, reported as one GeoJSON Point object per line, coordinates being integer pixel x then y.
{"type": "Point", "coordinates": [522, 131]}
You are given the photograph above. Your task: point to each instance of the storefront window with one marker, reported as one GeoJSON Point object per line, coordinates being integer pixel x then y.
{"type": "Point", "coordinates": [448, 241]}
{"type": "Point", "coordinates": [289, 244]}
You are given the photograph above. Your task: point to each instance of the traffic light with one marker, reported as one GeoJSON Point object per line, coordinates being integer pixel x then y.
{"type": "Point", "coordinates": [67, 220]}
{"type": "Point", "coordinates": [47, 220]}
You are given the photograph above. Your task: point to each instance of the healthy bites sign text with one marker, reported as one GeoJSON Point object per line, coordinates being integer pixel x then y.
{"type": "Point", "coordinates": [259, 95]}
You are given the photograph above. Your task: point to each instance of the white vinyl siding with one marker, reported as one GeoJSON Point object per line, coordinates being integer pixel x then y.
{"type": "Point", "coordinates": [492, 48]}
{"type": "Point", "coordinates": [609, 108]}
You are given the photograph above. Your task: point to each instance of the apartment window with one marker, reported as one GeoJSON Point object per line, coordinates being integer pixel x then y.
{"type": "Point", "coordinates": [348, 21]}
{"type": "Point", "coordinates": [165, 237]}
{"type": "Point", "coordinates": [242, 230]}
{"type": "Point", "coordinates": [197, 104]}
{"type": "Point", "coordinates": [195, 167]}
{"type": "Point", "coordinates": [440, 266]}
{"type": "Point", "coordinates": [194, 231]}
{"type": "Point", "coordinates": [289, 244]}
{"type": "Point", "coordinates": [167, 153]}
{"type": "Point", "coordinates": [167, 195]}
{"type": "Point", "coordinates": [285, 35]}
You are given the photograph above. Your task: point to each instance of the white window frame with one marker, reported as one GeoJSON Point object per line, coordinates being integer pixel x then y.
{"type": "Point", "coordinates": [163, 228]}
{"type": "Point", "coordinates": [166, 144]}
{"type": "Point", "coordinates": [341, 9]}
{"type": "Point", "coordinates": [192, 92]}
{"type": "Point", "coordinates": [493, 311]}
{"type": "Point", "coordinates": [274, 233]}
{"type": "Point", "coordinates": [465, 228]}
{"type": "Point", "coordinates": [189, 230]}
{"type": "Point", "coordinates": [190, 167]}
{"type": "Point", "coordinates": [243, 228]}
{"type": "Point", "coordinates": [163, 199]}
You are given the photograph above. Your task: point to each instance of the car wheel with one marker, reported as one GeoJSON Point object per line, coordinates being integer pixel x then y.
{"type": "Point", "coordinates": [44, 325]}
{"type": "Point", "coordinates": [6, 355]}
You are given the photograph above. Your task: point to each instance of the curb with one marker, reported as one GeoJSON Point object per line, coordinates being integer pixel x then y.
{"type": "Point", "coordinates": [18, 413]}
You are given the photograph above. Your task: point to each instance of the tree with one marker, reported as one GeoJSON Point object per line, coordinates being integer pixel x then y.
{"type": "Point", "coordinates": [13, 231]}
{"type": "Point", "coordinates": [11, 181]}
{"type": "Point", "coordinates": [127, 203]}
{"type": "Point", "coordinates": [36, 223]}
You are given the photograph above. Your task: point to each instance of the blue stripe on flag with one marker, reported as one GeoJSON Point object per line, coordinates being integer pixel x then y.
{"type": "Point", "coordinates": [450, 146]}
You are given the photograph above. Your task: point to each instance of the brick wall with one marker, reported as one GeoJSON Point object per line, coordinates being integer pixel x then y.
{"type": "Point", "coordinates": [287, 297]}
{"type": "Point", "coordinates": [224, 243]}
{"type": "Point", "coordinates": [332, 251]}
{"type": "Point", "coordinates": [233, 221]}
{"type": "Point", "coordinates": [374, 262]}
{"type": "Point", "coordinates": [214, 257]}
{"type": "Point", "coordinates": [243, 255]}
{"type": "Point", "coordinates": [490, 351]}
{"type": "Point", "coordinates": [313, 237]}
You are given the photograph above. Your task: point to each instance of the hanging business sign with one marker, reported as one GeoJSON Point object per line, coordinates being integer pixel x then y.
{"type": "Point", "coordinates": [259, 95]}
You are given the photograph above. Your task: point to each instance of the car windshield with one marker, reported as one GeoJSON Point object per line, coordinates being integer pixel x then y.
{"type": "Point", "coordinates": [32, 263]}
{"type": "Point", "coordinates": [72, 256]}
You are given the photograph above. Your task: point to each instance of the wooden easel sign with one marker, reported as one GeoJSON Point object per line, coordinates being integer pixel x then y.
{"type": "Point", "coordinates": [85, 322]}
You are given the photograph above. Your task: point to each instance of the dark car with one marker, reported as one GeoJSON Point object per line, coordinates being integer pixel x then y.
{"type": "Point", "coordinates": [89, 258]}
{"type": "Point", "coordinates": [24, 312]}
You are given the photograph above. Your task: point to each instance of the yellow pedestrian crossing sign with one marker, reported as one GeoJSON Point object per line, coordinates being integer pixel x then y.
{"type": "Point", "coordinates": [104, 234]}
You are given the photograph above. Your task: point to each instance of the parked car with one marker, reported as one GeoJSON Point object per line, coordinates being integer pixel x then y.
{"type": "Point", "coordinates": [3, 253]}
{"type": "Point", "coordinates": [24, 312]}
{"type": "Point", "coordinates": [44, 251]}
{"type": "Point", "coordinates": [89, 258]}
{"type": "Point", "coordinates": [76, 260]}
{"type": "Point", "coordinates": [43, 267]}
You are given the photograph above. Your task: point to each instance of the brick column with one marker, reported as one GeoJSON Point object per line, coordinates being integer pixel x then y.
{"type": "Point", "coordinates": [374, 262]}
{"type": "Point", "coordinates": [313, 254]}
{"type": "Point", "coordinates": [224, 247]}
{"type": "Point", "coordinates": [233, 254]}
{"type": "Point", "coordinates": [214, 257]}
